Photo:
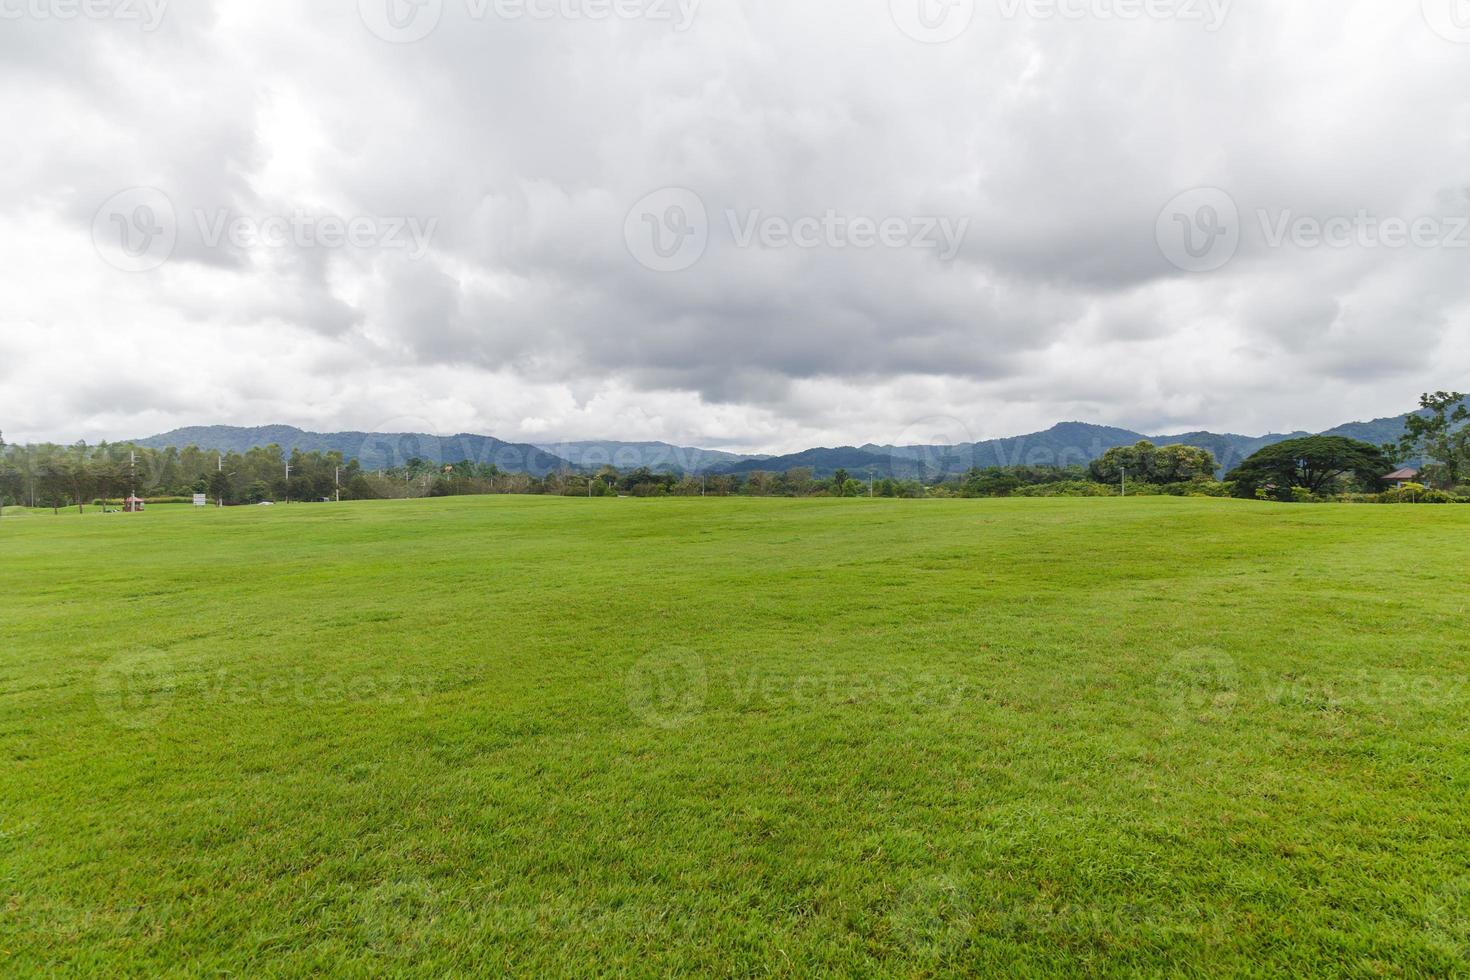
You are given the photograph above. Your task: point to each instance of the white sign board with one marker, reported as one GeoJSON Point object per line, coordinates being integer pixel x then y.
{"type": "Point", "coordinates": [200, 500]}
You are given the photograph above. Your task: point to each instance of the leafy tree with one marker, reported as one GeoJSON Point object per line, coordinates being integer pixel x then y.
{"type": "Point", "coordinates": [1315, 464]}
{"type": "Point", "coordinates": [1439, 437]}
{"type": "Point", "coordinates": [1147, 463]}
{"type": "Point", "coordinates": [991, 483]}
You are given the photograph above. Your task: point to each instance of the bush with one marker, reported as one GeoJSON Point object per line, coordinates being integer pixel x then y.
{"type": "Point", "coordinates": [1069, 488]}
{"type": "Point", "coordinates": [1198, 488]}
{"type": "Point", "coordinates": [1414, 493]}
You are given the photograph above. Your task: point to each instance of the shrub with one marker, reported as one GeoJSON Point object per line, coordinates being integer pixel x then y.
{"type": "Point", "coordinates": [1069, 488]}
{"type": "Point", "coordinates": [1198, 488]}
{"type": "Point", "coordinates": [1414, 493]}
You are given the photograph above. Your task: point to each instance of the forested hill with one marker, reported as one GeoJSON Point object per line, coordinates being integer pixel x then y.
{"type": "Point", "coordinates": [1070, 443]}
{"type": "Point", "coordinates": [375, 450]}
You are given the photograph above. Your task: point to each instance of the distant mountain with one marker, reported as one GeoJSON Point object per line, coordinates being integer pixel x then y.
{"type": "Point", "coordinates": [1070, 443]}
{"type": "Point", "coordinates": [660, 457]}
{"type": "Point", "coordinates": [824, 462]}
{"type": "Point", "coordinates": [375, 450]}
{"type": "Point", "coordinates": [1067, 444]}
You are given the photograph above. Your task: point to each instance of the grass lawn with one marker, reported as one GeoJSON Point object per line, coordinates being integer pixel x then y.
{"type": "Point", "coordinates": [576, 737]}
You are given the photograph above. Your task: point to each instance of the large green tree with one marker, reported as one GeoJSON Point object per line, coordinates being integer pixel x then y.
{"type": "Point", "coordinates": [1147, 463]}
{"type": "Point", "coordinates": [1438, 435]}
{"type": "Point", "coordinates": [1316, 463]}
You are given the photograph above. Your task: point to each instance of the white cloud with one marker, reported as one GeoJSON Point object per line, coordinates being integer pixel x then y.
{"type": "Point", "coordinates": [527, 141]}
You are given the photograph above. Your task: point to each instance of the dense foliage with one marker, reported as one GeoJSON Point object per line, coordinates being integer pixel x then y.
{"type": "Point", "coordinates": [1315, 465]}
{"type": "Point", "coordinates": [1158, 465]}
{"type": "Point", "coordinates": [1439, 436]}
{"type": "Point", "coordinates": [51, 476]}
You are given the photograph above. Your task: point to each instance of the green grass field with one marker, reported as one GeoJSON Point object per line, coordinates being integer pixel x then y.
{"type": "Point", "coordinates": [565, 737]}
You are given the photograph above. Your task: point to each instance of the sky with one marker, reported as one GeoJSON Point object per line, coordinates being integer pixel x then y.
{"type": "Point", "coordinates": [757, 225]}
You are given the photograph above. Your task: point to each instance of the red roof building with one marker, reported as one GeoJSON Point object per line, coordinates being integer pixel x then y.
{"type": "Point", "coordinates": [1399, 477]}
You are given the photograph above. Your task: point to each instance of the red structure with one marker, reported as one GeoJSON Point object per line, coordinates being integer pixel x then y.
{"type": "Point", "coordinates": [133, 505]}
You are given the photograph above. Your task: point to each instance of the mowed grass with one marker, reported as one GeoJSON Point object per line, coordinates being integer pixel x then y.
{"type": "Point", "coordinates": [737, 737]}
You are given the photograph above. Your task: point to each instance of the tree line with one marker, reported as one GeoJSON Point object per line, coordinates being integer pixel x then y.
{"type": "Point", "coordinates": [1311, 468]}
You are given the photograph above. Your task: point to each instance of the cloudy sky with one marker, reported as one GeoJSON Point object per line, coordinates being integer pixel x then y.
{"type": "Point", "coordinates": [751, 224]}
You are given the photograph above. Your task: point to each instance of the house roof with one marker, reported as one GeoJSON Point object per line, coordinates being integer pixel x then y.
{"type": "Point", "coordinates": [1408, 473]}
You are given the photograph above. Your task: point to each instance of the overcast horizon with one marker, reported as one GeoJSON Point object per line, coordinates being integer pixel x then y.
{"type": "Point", "coordinates": [745, 226]}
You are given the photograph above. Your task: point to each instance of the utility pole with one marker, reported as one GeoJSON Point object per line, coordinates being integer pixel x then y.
{"type": "Point", "coordinates": [337, 481]}
{"type": "Point", "coordinates": [288, 483]}
{"type": "Point", "coordinates": [1125, 480]}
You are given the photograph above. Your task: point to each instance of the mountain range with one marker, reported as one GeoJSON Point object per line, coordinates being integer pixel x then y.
{"type": "Point", "coordinates": [375, 450]}
{"type": "Point", "coordinates": [1064, 444]}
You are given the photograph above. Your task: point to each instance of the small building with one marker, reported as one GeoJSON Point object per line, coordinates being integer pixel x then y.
{"type": "Point", "coordinates": [1398, 478]}
{"type": "Point", "coordinates": [133, 505]}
